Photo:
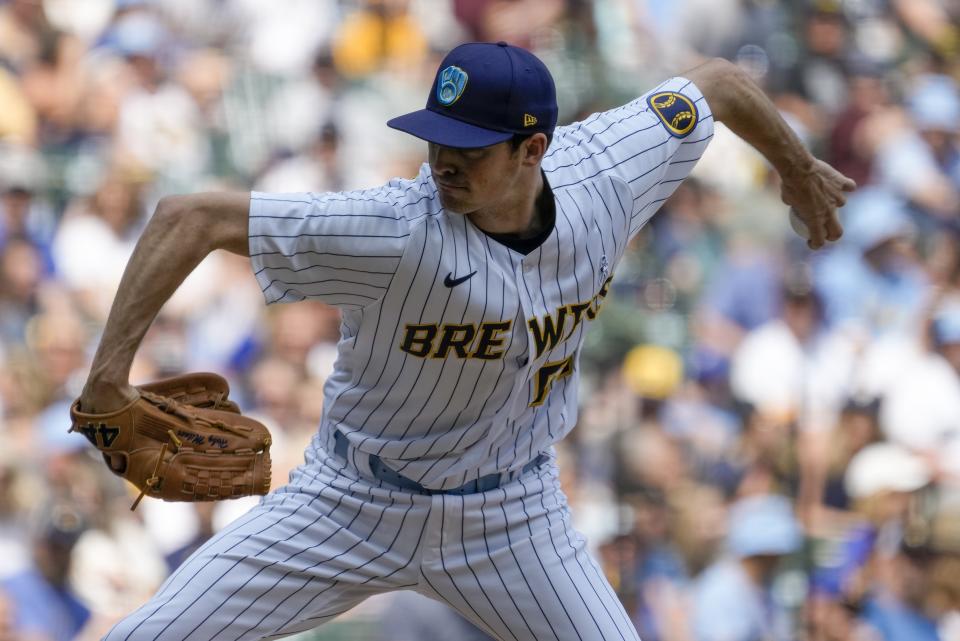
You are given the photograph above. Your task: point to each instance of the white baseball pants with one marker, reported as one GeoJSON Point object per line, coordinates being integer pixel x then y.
{"type": "Point", "coordinates": [507, 559]}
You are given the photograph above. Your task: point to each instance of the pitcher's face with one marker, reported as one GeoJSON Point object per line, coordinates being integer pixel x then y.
{"type": "Point", "coordinates": [470, 180]}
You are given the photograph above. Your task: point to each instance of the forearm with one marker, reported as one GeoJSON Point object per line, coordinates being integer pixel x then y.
{"type": "Point", "coordinates": [812, 188]}
{"type": "Point", "coordinates": [164, 256]}
{"type": "Point", "coordinates": [741, 105]}
{"type": "Point", "coordinates": [182, 232]}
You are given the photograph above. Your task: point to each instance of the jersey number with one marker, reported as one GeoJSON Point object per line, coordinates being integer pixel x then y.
{"type": "Point", "coordinates": [544, 378]}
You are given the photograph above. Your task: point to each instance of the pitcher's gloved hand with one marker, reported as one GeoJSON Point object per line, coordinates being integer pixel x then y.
{"type": "Point", "coordinates": [182, 452]}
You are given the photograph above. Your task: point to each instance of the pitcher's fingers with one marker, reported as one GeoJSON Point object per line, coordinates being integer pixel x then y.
{"type": "Point", "coordinates": [817, 233]}
{"type": "Point", "coordinates": [834, 228]}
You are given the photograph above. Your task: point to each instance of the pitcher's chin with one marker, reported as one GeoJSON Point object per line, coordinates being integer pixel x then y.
{"type": "Point", "coordinates": [452, 205]}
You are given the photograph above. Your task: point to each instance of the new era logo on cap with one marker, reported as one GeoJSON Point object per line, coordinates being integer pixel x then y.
{"type": "Point", "coordinates": [484, 93]}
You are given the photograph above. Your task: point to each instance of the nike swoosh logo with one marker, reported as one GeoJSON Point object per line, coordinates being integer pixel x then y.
{"type": "Point", "coordinates": [449, 281]}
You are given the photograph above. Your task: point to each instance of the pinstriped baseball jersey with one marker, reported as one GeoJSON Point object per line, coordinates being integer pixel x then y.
{"type": "Point", "coordinates": [458, 355]}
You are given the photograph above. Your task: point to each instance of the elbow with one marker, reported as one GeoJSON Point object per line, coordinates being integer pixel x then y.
{"type": "Point", "coordinates": [171, 211]}
{"type": "Point", "coordinates": [722, 68]}
{"type": "Point", "coordinates": [730, 76]}
{"type": "Point", "coordinates": [208, 220]}
{"type": "Point", "coordinates": [721, 83]}
{"type": "Point", "coordinates": [178, 217]}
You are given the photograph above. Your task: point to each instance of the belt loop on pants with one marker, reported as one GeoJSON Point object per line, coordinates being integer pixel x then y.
{"type": "Point", "coordinates": [382, 472]}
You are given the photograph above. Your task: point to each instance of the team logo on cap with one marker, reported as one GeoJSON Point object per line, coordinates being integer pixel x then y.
{"type": "Point", "coordinates": [450, 85]}
{"type": "Point", "coordinates": [677, 112]}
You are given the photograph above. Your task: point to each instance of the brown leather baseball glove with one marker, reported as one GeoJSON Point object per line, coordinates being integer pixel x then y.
{"type": "Point", "coordinates": [199, 389]}
{"type": "Point", "coordinates": [189, 445]}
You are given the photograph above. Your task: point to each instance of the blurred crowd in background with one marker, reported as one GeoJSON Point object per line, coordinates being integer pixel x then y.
{"type": "Point", "coordinates": [769, 441]}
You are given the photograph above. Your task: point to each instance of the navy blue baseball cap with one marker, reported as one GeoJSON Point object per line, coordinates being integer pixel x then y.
{"type": "Point", "coordinates": [484, 93]}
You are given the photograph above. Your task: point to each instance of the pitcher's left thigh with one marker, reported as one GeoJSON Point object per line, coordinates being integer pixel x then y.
{"type": "Point", "coordinates": [518, 569]}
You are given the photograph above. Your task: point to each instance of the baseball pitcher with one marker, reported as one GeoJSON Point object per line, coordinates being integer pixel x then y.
{"type": "Point", "coordinates": [465, 295]}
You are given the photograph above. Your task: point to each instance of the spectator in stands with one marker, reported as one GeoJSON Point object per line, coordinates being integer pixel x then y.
{"type": "Point", "coordinates": [873, 283]}
{"type": "Point", "coordinates": [43, 603]}
{"type": "Point", "coordinates": [921, 161]}
{"type": "Point", "coordinates": [732, 599]}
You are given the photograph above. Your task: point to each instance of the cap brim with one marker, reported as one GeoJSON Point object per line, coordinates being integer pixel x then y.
{"type": "Point", "coordinates": [436, 128]}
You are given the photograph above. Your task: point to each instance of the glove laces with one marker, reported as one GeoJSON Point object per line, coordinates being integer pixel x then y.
{"type": "Point", "coordinates": [155, 479]}
{"type": "Point", "coordinates": [171, 406]}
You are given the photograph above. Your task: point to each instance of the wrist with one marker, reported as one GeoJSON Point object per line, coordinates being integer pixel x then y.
{"type": "Point", "coordinates": [797, 168]}
{"type": "Point", "coordinates": [101, 394]}
{"type": "Point", "coordinates": [107, 377]}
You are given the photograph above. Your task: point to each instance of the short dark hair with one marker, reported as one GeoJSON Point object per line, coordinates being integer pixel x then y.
{"type": "Point", "coordinates": [518, 139]}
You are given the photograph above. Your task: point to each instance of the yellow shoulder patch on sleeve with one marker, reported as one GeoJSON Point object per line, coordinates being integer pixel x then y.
{"type": "Point", "coordinates": [677, 112]}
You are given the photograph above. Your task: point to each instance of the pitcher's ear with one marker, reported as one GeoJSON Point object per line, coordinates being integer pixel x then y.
{"type": "Point", "coordinates": [534, 148]}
